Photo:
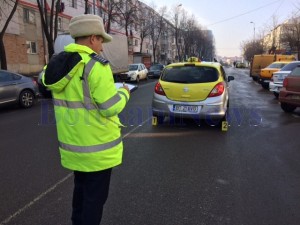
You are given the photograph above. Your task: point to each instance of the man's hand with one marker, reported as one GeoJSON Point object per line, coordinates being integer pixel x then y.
{"type": "Point", "coordinates": [126, 87]}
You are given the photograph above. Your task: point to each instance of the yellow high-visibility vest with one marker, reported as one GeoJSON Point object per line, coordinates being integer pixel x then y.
{"type": "Point", "coordinates": [86, 104]}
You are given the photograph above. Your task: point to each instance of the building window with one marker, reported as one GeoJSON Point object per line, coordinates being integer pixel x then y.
{"type": "Point", "coordinates": [29, 16]}
{"type": "Point", "coordinates": [73, 4]}
{"type": "Point", "coordinates": [31, 47]}
{"type": "Point", "coordinates": [136, 42]}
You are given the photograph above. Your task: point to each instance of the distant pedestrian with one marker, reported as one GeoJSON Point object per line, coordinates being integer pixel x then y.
{"type": "Point", "coordinates": [87, 104]}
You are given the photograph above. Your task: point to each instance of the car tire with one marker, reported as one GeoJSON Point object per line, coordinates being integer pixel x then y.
{"type": "Point", "coordinates": [265, 86]}
{"type": "Point", "coordinates": [287, 107]}
{"type": "Point", "coordinates": [137, 80]}
{"type": "Point", "coordinates": [26, 99]}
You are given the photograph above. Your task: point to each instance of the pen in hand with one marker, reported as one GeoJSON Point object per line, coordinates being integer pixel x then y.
{"type": "Point", "coordinates": [125, 86]}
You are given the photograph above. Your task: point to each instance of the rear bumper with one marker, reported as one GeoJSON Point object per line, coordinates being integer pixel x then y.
{"type": "Point", "coordinates": [289, 97]}
{"type": "Point", "coordinates": [275, 87]}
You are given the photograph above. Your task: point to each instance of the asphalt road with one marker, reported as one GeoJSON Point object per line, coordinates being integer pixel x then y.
{"type": "Point", "coordinates": [179, 173]}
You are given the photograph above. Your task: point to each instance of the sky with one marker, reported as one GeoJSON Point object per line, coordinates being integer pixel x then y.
{"type": "Point", "coordinates": [230, 20]}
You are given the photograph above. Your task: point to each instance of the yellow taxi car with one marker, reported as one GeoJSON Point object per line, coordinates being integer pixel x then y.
{"type": "Point", "coordinates": [192, 89]}
{"type": "Point", "coordinates": [266, 74]}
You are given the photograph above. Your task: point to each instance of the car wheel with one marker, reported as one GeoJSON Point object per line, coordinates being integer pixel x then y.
{"type": "Point", "coordinates": [276, 94]}
{"type": "Point", "coordinates": [26, 99]}
{"type": "Point", "coordinates": [137, 79]}
{"type": "Point", "coordinates": [287, 108]}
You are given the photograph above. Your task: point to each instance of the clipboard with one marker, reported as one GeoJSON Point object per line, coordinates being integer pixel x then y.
{"type": "Point", "coordinates": [131, 87]}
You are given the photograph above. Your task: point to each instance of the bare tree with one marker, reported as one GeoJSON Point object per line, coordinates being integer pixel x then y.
{"type": "Point", "coordinates": [251, 48]}
{"type": "Point", "coordinates": [111, 11]}
{"type": "Point", "coordinates": [49, 21]}
{"type": "Point", "coordinates": [190, 33]}
{"type": "Point", "coordinates": [175, 18]}
{"type": "Point", "coordinates": [127, 12]}
{"type": "Point", "coordinates": [156, 27]}
{"type": "Point", "coordinates": [144, 23]}
{"type": "Point", "coordinates": [8, 9]}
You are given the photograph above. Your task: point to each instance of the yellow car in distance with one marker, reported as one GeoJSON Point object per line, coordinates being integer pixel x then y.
{"type": "Point", "coordinates": [267, 73]}
{"type": "Point", "coordinates": [192, 89]}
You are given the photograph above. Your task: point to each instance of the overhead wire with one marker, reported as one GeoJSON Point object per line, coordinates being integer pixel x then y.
{"type": "Point", "coordinates": [253, 10]}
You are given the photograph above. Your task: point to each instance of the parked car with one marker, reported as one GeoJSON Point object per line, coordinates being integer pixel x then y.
{"type": "Point", "coordinates": [289, 95]}
{"type": "Point", "coordinates": [16, 88]}
{"type": "Point", "coordinates": [267, 73]}
{"type": "Point", "coordinates": [192, 89]}
{"type": "Point", "coordinates": [240, 65]}
{"type": "Point", "coordinates": [137, 72]}
{"type": "Point", "coordinates": [155, 70]}
{"type": "Point", "coordinates": [276, 81]}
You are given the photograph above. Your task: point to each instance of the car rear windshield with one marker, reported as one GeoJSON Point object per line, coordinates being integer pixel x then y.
{"type": "Point", "coordinates": [156, 67]}
{"type": "Point", "coordinates": [295, 72]}
{"type": "Point", "coordinates": [290, 66]}
{"type": "Point", "coordinates": [190, 74]}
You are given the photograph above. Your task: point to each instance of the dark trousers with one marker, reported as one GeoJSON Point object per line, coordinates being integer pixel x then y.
{"type": "Point", "coordinates": [89, 196]}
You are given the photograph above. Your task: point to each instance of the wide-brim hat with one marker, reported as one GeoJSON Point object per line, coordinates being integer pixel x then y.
{"type": "Point", "coordinates": [88, 24]}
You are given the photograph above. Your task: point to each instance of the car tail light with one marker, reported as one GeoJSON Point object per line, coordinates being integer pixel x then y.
{"type": "Point", "coordinates": [158, 89]}
{"type": "Point", "coordinates": [285, 82]}
{"type": "Point", "coordinates": [218, 90]}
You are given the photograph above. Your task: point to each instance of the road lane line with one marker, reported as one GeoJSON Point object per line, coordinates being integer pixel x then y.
{"type": "Point", "coordinates": [134, 129]}
{"type": "Point", "coordinates": [8, 219]}
{"type": "Point", "coordinates": [27, 206]}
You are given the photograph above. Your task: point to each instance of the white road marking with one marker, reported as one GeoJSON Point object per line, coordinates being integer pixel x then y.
{"type": "Point", "coordinates": [18, 212]}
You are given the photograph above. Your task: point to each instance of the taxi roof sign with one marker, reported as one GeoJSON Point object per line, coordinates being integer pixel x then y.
{"type": "Point", "coordinates": [193, 59]}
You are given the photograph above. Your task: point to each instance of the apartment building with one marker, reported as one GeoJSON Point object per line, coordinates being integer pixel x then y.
{"type": "Point", "coordinates": [26, 46]}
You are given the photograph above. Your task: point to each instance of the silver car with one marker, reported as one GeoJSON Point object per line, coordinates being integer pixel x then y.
{"type": "Point", "coordinates": [16, 88]}
{"type": "Point", "coordinates": [276, 82]}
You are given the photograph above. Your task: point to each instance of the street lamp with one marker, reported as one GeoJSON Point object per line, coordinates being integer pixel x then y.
{"type": "Point", "coordinates": [177, 29]}
{"type": "Point", "coordinates": [253, 30]}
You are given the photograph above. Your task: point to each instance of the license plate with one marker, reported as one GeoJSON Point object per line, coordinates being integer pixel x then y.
{"type": "Point", "coordinates": [185, 108]}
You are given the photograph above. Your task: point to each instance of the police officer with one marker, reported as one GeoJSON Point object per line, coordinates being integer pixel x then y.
{"type": "Point", "coordinates": [87, 104]}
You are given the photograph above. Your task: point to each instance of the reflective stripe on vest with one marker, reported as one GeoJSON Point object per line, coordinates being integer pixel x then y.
{"type": "Point", "coordinates": [94, 148]}
{"type": "Point", "coordinates": [124, 96]}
